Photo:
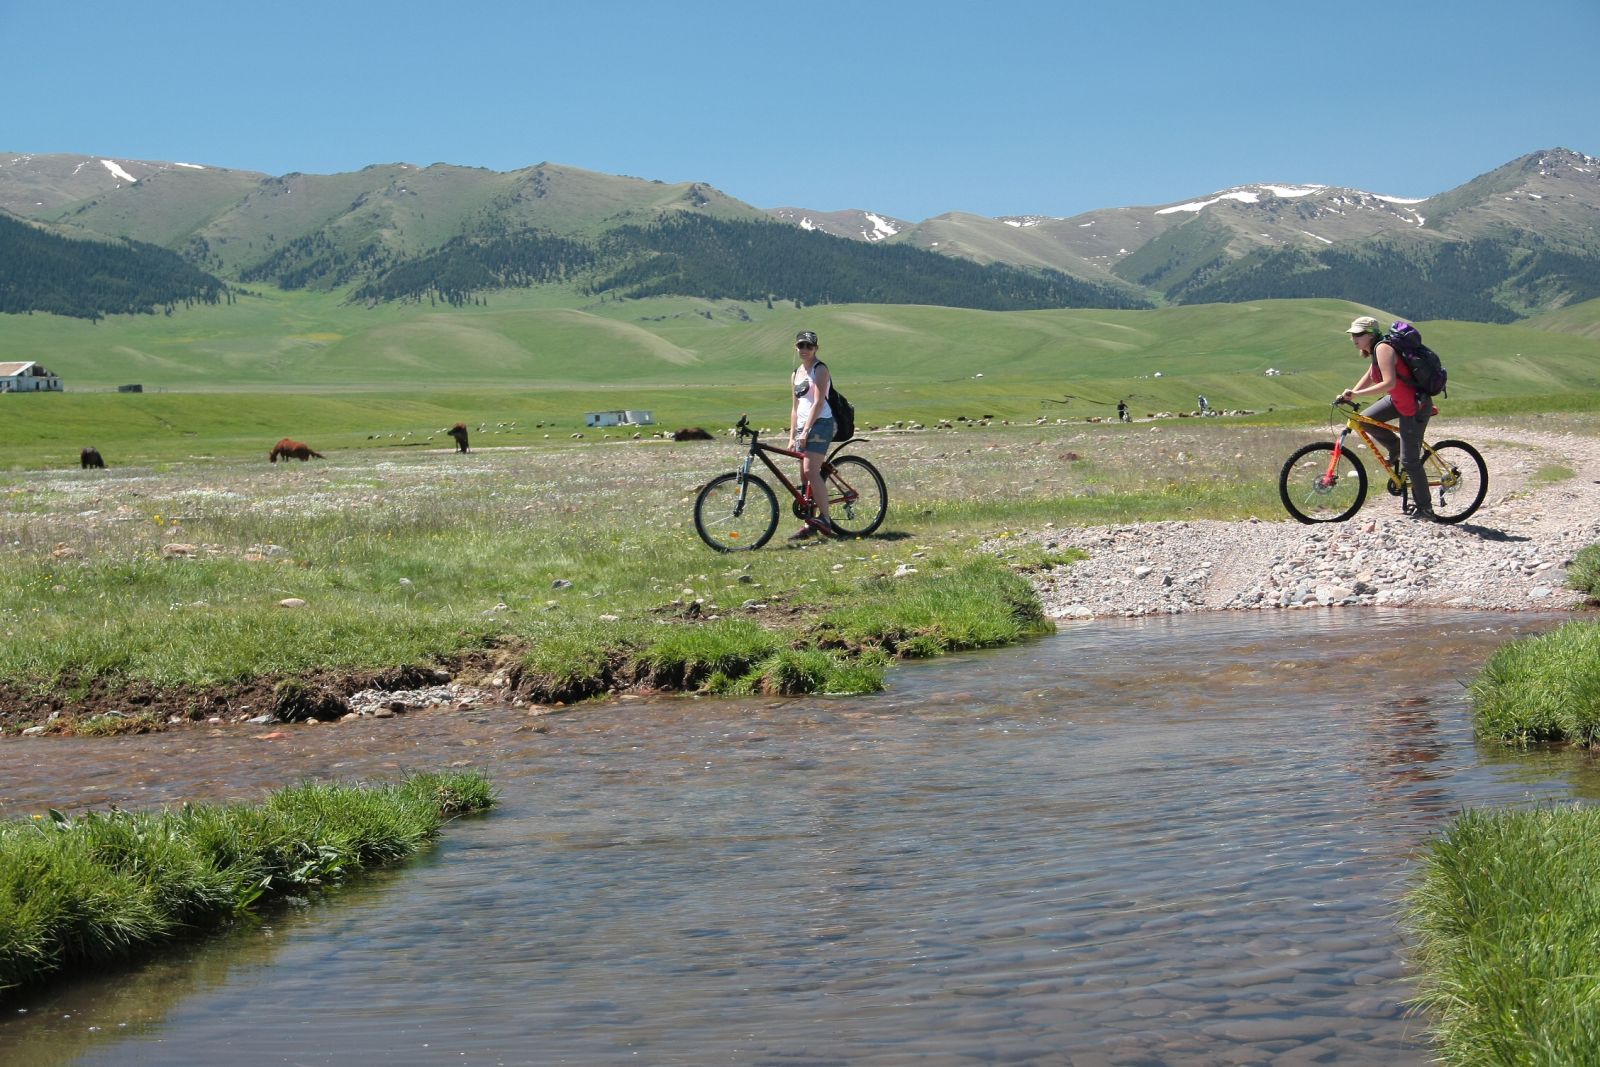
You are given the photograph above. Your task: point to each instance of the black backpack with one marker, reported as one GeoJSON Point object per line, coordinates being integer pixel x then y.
{"type": "Point", "coordinates": [844, 413]}
{"type": "Point", "coordinates": [1428, 375]}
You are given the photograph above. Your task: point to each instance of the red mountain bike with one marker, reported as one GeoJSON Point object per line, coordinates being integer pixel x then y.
{"type": "Point", "coordinates": [738, 512]}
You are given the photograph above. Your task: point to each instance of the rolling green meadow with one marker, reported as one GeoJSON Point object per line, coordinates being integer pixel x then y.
{"type": "Point", "coordinates": [232, 379]}
{"type": "Point", "coordinates": [154, 592]}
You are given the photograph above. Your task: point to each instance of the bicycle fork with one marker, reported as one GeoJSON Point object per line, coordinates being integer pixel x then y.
{"type": "Point", "coordinates": [743, 482]}
{"type": "Point", "coordinates": [1330, 477]}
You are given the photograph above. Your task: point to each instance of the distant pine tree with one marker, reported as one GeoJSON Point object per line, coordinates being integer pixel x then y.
{"type": "Point", "coordinates": [86, 279]}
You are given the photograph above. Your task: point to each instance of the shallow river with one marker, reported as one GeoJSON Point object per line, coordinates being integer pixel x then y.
{"type": "Point", "coordinates": [1168, 841]}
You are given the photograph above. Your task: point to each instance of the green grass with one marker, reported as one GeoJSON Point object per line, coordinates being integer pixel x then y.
{"type": "Point", "coordinates": [78, 892]}
{"type": "Point", "coordinates": [1584, 572]}
{"type": "Point", "coordinates": [1553, 472]}
{"type": "Point", "coordinates": [1507, 917]}
{"type": "Point", "coordinates": [556, 568]}
{"type": "Point", "coordinates": [231, 380]}
{"type": "Point", "coordinates": [1543, 688]}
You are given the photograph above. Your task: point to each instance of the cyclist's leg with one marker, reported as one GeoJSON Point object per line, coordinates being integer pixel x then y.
{"type": "Point", "coordinates": [816, 451]}
{"type": "Point", "coordinates": [1412, 427]}
{"type": "Point", "coordinates": [1384, 411]}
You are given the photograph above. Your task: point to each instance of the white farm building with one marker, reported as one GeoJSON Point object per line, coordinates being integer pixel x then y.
{"type": "Point", "coordinates": [618, 418]}
{"type": "Point", "coordinates": [27, 378]}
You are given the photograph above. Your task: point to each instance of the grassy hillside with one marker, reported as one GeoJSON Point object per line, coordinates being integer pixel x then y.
{"type": "Point", "coordinates": [1582, 319]}
{"type": "Point", "coordinates": [231, 380]}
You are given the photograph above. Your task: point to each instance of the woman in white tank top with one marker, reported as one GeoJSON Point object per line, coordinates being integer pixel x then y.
{"type": "Point", "coordinates": [811, 430]}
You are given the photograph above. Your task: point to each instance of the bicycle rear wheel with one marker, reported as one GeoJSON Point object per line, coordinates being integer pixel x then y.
{"type": "Point", "coordinates": [1314, 489]}
{"type": "Point", "coordinates": [1458, 479]}
{"type": "Point", "coordinates": [857, 499]}
{"type": "Point", "coordinates": [735, 513]}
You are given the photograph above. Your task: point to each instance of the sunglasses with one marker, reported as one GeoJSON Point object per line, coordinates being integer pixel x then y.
{"type": "Point", "coordinates": [805, 344]}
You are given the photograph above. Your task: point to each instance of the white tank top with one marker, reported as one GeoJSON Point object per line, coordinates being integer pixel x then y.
{"type": "Point", "coordinates": [808, 398]}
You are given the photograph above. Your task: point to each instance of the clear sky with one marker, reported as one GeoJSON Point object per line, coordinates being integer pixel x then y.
{"type": "Point", "coordinates": [910, 109]}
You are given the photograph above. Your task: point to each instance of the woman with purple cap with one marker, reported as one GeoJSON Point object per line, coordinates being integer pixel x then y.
{"type": "Point", "coordinates": [811, 431]}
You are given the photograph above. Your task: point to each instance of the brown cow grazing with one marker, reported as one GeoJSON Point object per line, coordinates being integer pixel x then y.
{"type": "Point", "coordinates": [691, 433]}
{"type": "Point", "coordinates": [288, 449]}
{"type": "Point", "coordinates": [90, 457]}
{"type": "Point", "coordinates": [459, 432]}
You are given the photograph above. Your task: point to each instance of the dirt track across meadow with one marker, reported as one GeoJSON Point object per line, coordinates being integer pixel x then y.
{"type": "Point", "coordinates": [1511, 555]}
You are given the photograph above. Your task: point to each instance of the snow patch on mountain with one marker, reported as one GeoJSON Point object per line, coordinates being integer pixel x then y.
{"type": "Point", "coordinates": [1246, 196]}
{"type": "Point", "coordinates": [1253, 194]}
{"type": "Point", "coordinates": [1022, 222]}
{"type": "Point", "coordinates": [881, 227]}
{"type": "Point", "coordinates": [117, 171]}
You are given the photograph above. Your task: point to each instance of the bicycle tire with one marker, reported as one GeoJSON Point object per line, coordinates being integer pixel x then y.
{"type": "Point", "coordinates": [1307, 495]}
{"type": "Point", "coordinates": [858, 502]}
{"type": "Point", "coordinates": [1458, 479]}
{"type": "Point", "coordinates": [733, 520]}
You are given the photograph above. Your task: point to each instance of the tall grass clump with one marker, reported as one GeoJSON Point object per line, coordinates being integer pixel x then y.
{"type": "Point", "coordinates": [1544, 688]}
{"type": "Point", "coordinates": [1507, 916]}
{"type": "Point", "coordinates": [977, 604]}
{"type": "Point", "coordinates": [79, 891]}
{"type": "Point", "coordinates": [1584, 572]}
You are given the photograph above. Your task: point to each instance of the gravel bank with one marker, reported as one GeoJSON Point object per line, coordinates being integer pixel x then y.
{"type": "Point", "coordinates": [1511, 555]}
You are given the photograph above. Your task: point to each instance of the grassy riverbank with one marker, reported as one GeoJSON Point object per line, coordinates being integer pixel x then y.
{"type": "Point", "coordinates": [561, 572]}
{"type": "Point", "coordinates": [1505, 916]}
{"type": "Point", "coordinates": [78, 892]}
{"type": "Point", "coordinates": [1546, 688]}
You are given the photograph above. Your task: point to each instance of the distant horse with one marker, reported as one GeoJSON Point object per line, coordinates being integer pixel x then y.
{"type": "Point", "coordinates": [459, 432]}
{"type": "Point", "coordinates": [287, 449]}
{"type": "Point", "coordinates": [691, 433]}
{"type": "Point", "coordinates": [90, 457]}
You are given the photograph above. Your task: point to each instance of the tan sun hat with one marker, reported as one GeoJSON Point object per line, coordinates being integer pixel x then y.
{"type": "Point", "coordinates": [1365, 324]}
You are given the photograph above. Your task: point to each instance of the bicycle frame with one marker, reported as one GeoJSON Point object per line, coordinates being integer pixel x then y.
{"type": "Point", "coordinates": [1357, 423]}
{"type": "Point", "coordinates": [802, 497]}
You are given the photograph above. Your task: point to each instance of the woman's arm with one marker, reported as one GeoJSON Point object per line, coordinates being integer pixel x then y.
{"type": "Point", "coordinates": [1380, 376]}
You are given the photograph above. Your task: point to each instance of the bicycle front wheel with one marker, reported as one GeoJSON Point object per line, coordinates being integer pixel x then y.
{"type": "Point", "coordinates": [735, 513]}
{"type": "Point", "coordinates": [1458, 479]}
{"type": "Point", "coordinates": [1316, 489]}
{"type": "Point", "coordinates": [857, 500]}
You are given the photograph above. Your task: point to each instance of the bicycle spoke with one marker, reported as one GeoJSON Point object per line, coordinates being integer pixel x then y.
{"type": "Point", "coordinates": [857, 499]}
{"type": "Point", "coordinates": [1316, 488]}
{"type": "Point", "coordinates": [1458, 479]}
{"type": "Point", "coordinates": [735, 513]}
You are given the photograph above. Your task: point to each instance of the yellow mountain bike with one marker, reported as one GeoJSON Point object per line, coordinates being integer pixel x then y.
{"type": "Point", "coordinates": [1325, 482]}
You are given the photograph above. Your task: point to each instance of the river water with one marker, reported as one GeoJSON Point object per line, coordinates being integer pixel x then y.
{"type": "Point", "coordinates": [1161, 841]}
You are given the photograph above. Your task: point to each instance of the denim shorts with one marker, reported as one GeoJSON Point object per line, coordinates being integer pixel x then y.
{"type": "Point", "coordinates": [821, 437]}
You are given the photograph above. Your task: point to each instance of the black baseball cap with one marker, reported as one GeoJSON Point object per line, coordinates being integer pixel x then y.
{"type": "Point", "coordinates": [806, 337]}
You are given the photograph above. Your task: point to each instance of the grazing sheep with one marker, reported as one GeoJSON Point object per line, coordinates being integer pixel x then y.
{"type": "Point", "coordinates": [691, 433]}
{"type": "Point", "coordinates": [459, 432]}
{"type": "Point", "coordinates": [90, 457]}
{"type": "Point", "coordinates": [288, 449]}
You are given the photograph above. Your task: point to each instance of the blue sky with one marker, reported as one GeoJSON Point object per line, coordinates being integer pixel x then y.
{"type": "Point", "coordinates": [910, 109]}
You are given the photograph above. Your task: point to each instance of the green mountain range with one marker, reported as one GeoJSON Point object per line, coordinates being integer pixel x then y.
{"type": "Point", "coordinates": [1519, 240]}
